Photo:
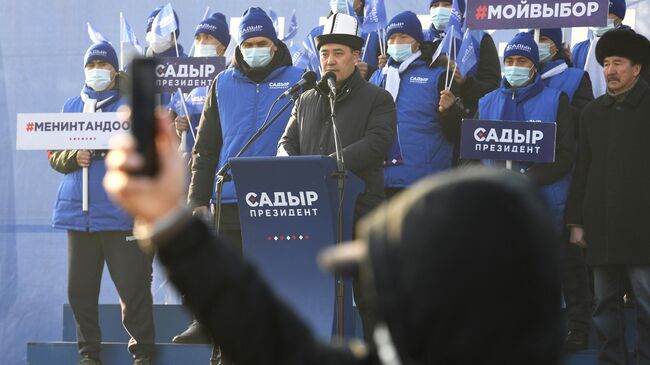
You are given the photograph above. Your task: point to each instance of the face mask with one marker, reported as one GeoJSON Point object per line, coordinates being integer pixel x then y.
{"type": "Point", "coordinates": [339, 6]}
{"type": "Point", "coordinates": [157, 43]}
{"type": "Point", "coordinates": [257, 57]}
{"type": "Point", "coordinates": [440, 17]}
{"type": "Point", "coordinates": [599, 31]}
{"type": "Point", "coordinates": [544, 52]}
{"type": "Point", "coordinates": [399, 52]}
{"type": "Point", "coordinates": [517, 76]}
{"type": "Point", "coordinates": [98, 79]}
{"type": "Point", "coordinates": [205, 50]}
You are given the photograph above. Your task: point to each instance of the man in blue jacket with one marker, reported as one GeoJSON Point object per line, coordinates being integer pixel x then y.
{"type": "Point", "coordinates": [421, 146]}
{"type": "Point", "coordinates": [556, 72]}
{"type": "Point", "coordinates": [103, 234]}
{"type": "Point", "coordinates": [236, 106]}
{"type": "Point", "coordinates": [164, 46]}
{"type": "Point", "coordinates": [211, 39]}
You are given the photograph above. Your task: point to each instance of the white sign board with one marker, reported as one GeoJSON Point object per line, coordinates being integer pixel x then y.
{"type": "Point", "coordinates": [68, 131]}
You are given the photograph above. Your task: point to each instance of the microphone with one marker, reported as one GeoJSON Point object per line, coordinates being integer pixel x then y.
{"type": "Point", "coordinates": [308, 78]}
{"type": "Point", "coordinates": [330, 78]}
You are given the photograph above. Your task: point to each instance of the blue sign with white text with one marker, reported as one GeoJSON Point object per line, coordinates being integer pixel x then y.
{"type": "Point", "coordinates": [508, 14]}
{"type": "Point", "coordinates": [531, 141]}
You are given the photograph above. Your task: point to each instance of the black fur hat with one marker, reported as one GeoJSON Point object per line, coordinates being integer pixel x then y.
{"type": "Point", "coordinates": [624, 43]}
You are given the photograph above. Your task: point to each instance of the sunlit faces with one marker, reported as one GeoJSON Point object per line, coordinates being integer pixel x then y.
{"type": "Point", "coordinates": [100, 75]}
{"type": "Point", "coordinates": [258, 51]}
{"type": "Point", "coordinates": [205, 45]}
{"type": "Point", "coordinates": [619, 73]}
{"type": "Point", "coordinates": [339, 59]}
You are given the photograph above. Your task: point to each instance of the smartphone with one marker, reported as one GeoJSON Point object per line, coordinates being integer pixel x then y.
{"type": "Point", "coordinates": [143, 98]}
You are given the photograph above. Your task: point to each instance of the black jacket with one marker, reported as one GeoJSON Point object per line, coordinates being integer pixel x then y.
{"type": "Point", "coordinates": [609, 196]}
{"type": "Point", "coordinates": [366, 121]}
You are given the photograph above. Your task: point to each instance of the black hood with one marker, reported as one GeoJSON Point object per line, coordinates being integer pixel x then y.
{"type": "Point", "coordinates": [463, 269]}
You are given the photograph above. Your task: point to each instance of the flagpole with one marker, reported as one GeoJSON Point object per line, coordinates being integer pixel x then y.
{"type": "Point", "coordinates": [84, 184]}
{"type": "Point", "coordinates": [451, 40]}
{"type": "Point", "coordinates": [176, 43]}
{"type": "Point", "coordinates": [363, 55]}
{"type": "Point", "coordinates": [121, 43]}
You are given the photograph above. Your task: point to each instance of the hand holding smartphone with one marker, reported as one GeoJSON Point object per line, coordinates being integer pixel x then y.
{"type": "Point", "coordinates": [143, 99]}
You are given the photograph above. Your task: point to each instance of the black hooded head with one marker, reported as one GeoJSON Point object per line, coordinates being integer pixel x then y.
{"type": "Point", "coordinates": [463, 270]}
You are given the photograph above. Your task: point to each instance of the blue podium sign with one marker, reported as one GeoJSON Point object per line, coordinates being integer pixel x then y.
{"type": "Point", "coordinates": [288, 212]}
{"type": "Point", "coordinates": [507, 140]}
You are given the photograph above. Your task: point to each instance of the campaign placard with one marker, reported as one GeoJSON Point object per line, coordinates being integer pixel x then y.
{"type": "Point", "coordinates": [187, 73]}
{"type": "Point", "coordinates": [68, 131]}
{"type": "Point", "coordinates": [532, 141]}
{"type": "Point", "coordinates": [508, 14]}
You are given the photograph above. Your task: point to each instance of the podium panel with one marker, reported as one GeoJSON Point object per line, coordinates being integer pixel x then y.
{"type": "Point", "coordinates": [288, 212]}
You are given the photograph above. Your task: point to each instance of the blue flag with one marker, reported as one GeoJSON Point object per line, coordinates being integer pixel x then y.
{"type": "Point", "coordinates": [293, 28]}
{"type": "Point", "coordinates": [95, 36]}
{"type": "Point", "coordinates": [164, 23]}
{"type": "Point", "coordinates": [128, 36]}
{"type": "Point", "coordinates": [274, 18]}
{"type": "Point", "coordinates": [455, 25]}
{"type": "Point", "coordinates": [374, 16]}
{"type": "Point", "coordinates": [468, 55]}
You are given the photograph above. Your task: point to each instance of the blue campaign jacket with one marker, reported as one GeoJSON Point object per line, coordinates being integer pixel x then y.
{"type": "Point", "coordinates": [102, 214]}
{"type": "Point", "coordinates": [568, 81]}
{"type": "Point", "coordinates": [534, 102]}
{"type": "Point", "coordinates": [308, 57]}
{"type": "Point", "coordinates": [424, 149]}
{"type": "Point", "coordinates": [194, 102]}
{"type": "Point", "coordinates": [243, 105]}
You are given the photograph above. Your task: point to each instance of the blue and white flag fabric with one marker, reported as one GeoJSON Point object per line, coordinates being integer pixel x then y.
{"type": "Point", "coordinates": [374, 16]}
{"type": "Point", "coordinates": [164, 23]}
{"type": "Point", "coordinates": [95, 36]}
{"type": "Point", "coordinates": [128, 36]}
{"type": "Point", "coordinates": [468, 54]}
{"type": "Point", "coordinates": [293, 28]}
{"type": "Point", "coordinates": [274, 19]}
{"type": "Point", "coordinates": [455, 25]}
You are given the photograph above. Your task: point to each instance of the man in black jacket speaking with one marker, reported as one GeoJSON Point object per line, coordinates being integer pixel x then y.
{"type": "Point", "coordinates": [365, 114]}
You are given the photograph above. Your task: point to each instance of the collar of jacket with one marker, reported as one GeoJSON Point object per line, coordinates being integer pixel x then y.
{"type": "Point", "coordinates": [350, 84]}
{"type": "Point", "coordinates": [524, 93]}
{"type": "Point", "coordinates": [282, 57]}
{"type": "Point", "coordinates": [550, 65]}
{"type": "Point", "coordinates": [102, 95]}
{"type": "Point", "coordinates": [633, 97]}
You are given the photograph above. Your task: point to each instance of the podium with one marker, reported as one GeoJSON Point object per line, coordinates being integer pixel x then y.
{"type": "Point", "coordinates": [288, 210]}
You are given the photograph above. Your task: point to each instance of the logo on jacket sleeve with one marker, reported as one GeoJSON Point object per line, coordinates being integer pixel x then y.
{"type": "Point", "coordinates": [279, 85]}
{"type": "Point", "coordinates": [418, 80]}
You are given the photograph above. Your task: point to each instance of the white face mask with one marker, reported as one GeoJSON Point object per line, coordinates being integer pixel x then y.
{"type": "Point", "coordinates": [599, 31]}
{"type": "Point", "coordinates": [98, 79]}
{"type": "Point", "coordinates": [205, 50]}
{"type": "Point", "coordinates": [440, 17]}
{"type": "Point", "coordinates": [159, 44]}
{"type": "Point", "coordinates": [339, 6]}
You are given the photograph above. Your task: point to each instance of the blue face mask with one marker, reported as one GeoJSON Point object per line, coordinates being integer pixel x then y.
{"type": "Point", "coordinates": [339, 6]}
{"type": "Point", "coordinates": [544, 52]}
{"type": "Point", "coordinates": [599, 31]}
{"type": "Point", "coordinates": [399, 52]}
{"type": "Point", "coordinates": [98, 79]}
{"type": "Point", "coordinates": [517, 76]}
{"type": "Point", "coordinates": [257, 57]}
{"type": "Point", "coordinates": [440, 17]}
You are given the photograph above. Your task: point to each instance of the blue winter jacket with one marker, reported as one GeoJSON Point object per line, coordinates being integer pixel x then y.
{"type": "Point", "coordinates": [194, 103]}
{"type": "Point", "coordinates": [424, 149]}
{"type": "Point", "coordinates": [102, 214]}
{"type": "Point", "coordinates": [534, 102]}
{"type": "Point", "coordinates": [568, 81]}
{"type": "Point", "coordinates": [247, 105]}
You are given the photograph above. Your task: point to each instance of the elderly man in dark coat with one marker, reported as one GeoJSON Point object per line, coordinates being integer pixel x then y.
{"type": "Point", "coordinates": [609, 205]}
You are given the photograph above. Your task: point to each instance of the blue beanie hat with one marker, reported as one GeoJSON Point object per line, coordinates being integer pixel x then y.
{"type": "Point", "coordinates": [554, 34]}
{"type": "Point", "coordinates": [618, 8]}
{"type": "Point", "coordinates": [255, 23]}
{"type": "Point", "coordinates": [461, 4]}
{"type": "Point", "coordinates": [216, 26]}
{"type": "Point", "coordinates": [524, 45]}
{"type": "Point", "coordinates": [153, 15]}
{"type": "Point", "coordinates": [405, 22]}
{"type": "Point", "coordinates": [102, 51]}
